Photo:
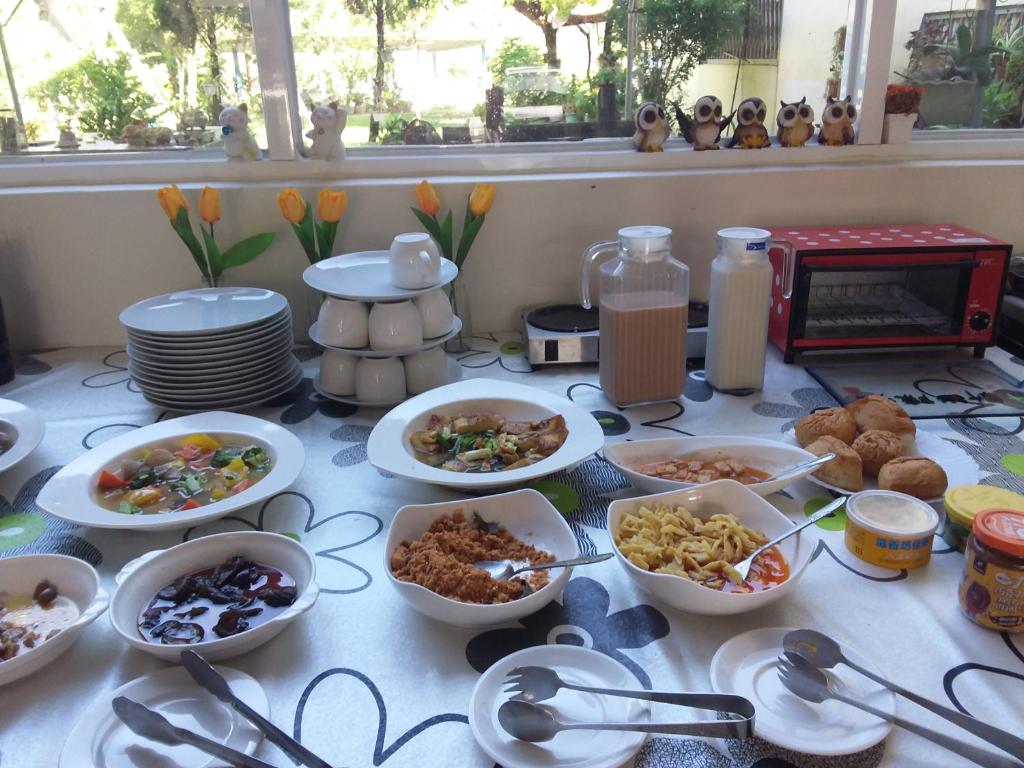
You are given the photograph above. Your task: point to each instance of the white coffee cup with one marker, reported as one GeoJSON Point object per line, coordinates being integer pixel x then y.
{"type": "Point", "coordinates": [395, 326]}
{"type": "Point", "coordinates": [380, 380]}
{"type": "Point", "coordinates": [436, 313]}
{"type": "Point", "coordinates": [415, 261]}
{"type": "Point", "coordinates": [343, 323]}
{"type": "Point", "coordinates": [425, 370]}
{"type": "Point", "coordinates": [338, 372]}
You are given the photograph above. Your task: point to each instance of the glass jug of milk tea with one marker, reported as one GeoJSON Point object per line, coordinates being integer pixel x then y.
{"type": "Point", "coordinates": [642, 316]}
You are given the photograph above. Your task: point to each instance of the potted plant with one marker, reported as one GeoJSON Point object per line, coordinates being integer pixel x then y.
{"type": "Point", "coordinates": [950, 89]}
{"type": "Point", "coordinates": [901, 106]}
{"type": "Point", "coordinates": [835, 66]}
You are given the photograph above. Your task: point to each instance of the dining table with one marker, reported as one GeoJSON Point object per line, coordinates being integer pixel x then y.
{"type": "Point", "coordinates": [363, 679]}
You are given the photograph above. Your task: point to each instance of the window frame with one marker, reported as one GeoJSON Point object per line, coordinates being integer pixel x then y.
{"type": "Point", "coordinates": [869, 42]}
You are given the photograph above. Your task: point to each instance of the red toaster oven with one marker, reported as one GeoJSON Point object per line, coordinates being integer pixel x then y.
{"type": "Point", "coordinates": [885, 286]}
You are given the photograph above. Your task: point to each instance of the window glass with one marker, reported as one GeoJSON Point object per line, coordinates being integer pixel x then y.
{"type": "Point", "coordinates": [967, 59]}
{"type": "Point", "coordinates": [93, 75]}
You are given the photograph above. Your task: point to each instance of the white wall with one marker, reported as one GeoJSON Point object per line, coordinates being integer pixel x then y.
{"type": "Point", "coordinates": [72, 257]}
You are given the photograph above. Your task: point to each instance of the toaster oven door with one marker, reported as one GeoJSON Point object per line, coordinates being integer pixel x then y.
{"type": "Point", "coordinates": [864, 301]}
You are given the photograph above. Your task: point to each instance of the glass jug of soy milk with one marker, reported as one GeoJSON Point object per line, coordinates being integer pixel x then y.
{"type": "Point", "coordinates": [642, 316]}
{"type": "Point", "coordinates": [741, 290]}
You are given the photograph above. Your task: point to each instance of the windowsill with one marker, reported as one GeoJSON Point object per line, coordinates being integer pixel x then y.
{"type": "Point", "coordinates": [596, 157]}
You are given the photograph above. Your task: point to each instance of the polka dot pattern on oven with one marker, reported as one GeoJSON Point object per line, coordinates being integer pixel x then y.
{"type": "Point", "coordinates": [858, 238]}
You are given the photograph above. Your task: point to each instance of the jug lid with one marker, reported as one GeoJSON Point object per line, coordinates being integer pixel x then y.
{"type": "Point", "coordinates": [743, 241]}
{"type": "Point", "coordinates": [644, 240]}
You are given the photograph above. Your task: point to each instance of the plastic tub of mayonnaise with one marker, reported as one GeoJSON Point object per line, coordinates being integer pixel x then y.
{"type": "Point", "coordinates": [889, 529]}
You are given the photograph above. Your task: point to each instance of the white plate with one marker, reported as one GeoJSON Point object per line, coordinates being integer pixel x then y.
{"type": "Point", "coordinates": [959, 467]}
{"type": "Point", "coordinates": [366, 276]}
{"type": "Point", "coordinates": [203, 310]}
{"type": "Point", "coordinates": [767, 455]}
{"type": "Point", "coordinates": [201, 365]}
{"type": "Point", "coordinates": [569, 749]}
{"type": "Point", "coordinates": [454, 374]}
{"type": "Point", "coordinates": [389, 450]}
{"type": "Point", "coordinates": [175, 343]}
{"type": "Point", "coordinates": [100, 739]}
{"type": "Point", "coordinates": [314, 335]}
{"type": "Point", "coordinates": [246, 348]}
{"type": "Point", "coordinates": [27, 428]}
{"type": "Point", "coordinates": [250, 400]}
{"type": "Point", "coordinates": [69, 493]}
{"type": "Point", "coordinates": [227, 386]}
{"type": "Point", "coordinates": [745, 665]}
{"type": "Point", "coordinates": [145, 375]}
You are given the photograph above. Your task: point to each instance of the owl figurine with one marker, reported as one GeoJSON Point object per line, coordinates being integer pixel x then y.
{"type": "Point", "coordinates": [707, 126]}
{"type": "Point", "coordinates": [795, 122]}
{"type": "Point", "coordinates": [837, 123]}
{"type": "Point", "coordinates": [750, 132]}
{"type": "Point", "coordinates": [651, 128]}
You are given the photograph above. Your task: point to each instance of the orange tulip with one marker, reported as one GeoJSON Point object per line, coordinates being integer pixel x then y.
{"type": "Point", "coordinates": [481, 199]}
{"type": "Point", "coordinates": [331, 205]}
{"type": "Point", "coordinates": [427, 198]}
{"type": "Point", "coordinates": [171, 200]}
{"type": "Point", "coordinates": [209, 205]}
{"type": "Point", "coordinates": [293, 207]}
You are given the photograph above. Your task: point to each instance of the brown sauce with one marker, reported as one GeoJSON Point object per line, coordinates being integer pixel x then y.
{"type": "Point", "coordinates": [692, 470]}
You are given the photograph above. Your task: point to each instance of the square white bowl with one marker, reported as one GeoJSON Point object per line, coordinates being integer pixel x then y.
{"type": "Point", "coordinates": [719, 497]}
{"type": "Point", "coordinates": [526, 514]}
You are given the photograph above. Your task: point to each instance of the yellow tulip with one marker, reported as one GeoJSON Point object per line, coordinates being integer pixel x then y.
{"type": "Point", "coordinates": [330, 205]}
{"type": "Point", "coordinates": [293, 207]}
{"type": "Point", "coordinates": [481, 199]}
{"type": "Point", "coordinates": [171, 200]}
{"type": "Point", "coordinates": [209, 205]}
{"type": "Point", "coordinates": [427, 198]}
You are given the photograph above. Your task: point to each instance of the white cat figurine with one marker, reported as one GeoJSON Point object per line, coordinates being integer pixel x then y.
{"type": "Point", "coordinates": [328, 123]}
{"type": "Point", "coordinates": [238, 142]}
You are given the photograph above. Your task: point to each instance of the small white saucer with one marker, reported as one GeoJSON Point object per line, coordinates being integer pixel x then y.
{"type": "Point", "coordinates": [454, 374]}
{"type": "Point", "coordinates": [314, 335]}
{"type": "Point", "coordinates": [366, 276]}
{"type": "Point", "coordinates": [27, 427]}
{"type": "Point", "coordinates": [568, 749]}
{"type": "Point", "coordinates": [745, 665]}
{"type": "Point", "coordinates": [100, 739]}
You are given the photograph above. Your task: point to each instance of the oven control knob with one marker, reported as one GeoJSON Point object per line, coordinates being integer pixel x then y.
{"type": "Point", "coordinates": [980, 321]}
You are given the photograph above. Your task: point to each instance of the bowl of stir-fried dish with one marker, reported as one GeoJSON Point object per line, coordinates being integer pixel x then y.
{"type": "Point", "coordinates": [481, 434]}
{"type": "Point", "coordinates": [176, 473]}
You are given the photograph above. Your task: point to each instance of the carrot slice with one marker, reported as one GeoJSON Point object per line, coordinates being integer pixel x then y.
{"type": "Point", "coordinates": [109, 481]}
{"type": "Point", "coordinates": [190, 504]}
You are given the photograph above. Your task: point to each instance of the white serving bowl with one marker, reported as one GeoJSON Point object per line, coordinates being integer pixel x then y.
{"type": "Point", "coordinates": [389, 449]}
{"type": "Point", "coordinates": [27, 427]}
{"type": "Point", "coordinates": [526, 514]}
{"type": "Point", "coordinates": [767, 455]}
{"type": "Point", "coordinates": [143, 577]}
{"type": "Point", "coordinates": [69, 494]}
{"type": "Point", "coordinates": [720, 496]}
{"type": "Point", "coordinates": [74, 579]}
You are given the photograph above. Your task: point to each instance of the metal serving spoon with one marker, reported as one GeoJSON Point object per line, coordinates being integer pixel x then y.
{"type": "Point", "coordinates": [743, 566]}
{"type": "Point", "coordinates": [822, 651]}
{"type": "Point", "coordinates": [809, 683]}
{"type": "Point", "coordinates": [537, 722]}
{"type": "Point", "coordinates": [825, 458]}
{"type": "Point", "coordinates": [506, 569]}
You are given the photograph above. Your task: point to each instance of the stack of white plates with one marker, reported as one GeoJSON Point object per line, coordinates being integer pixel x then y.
{"type": "Point", "coordinates": [211, 348]}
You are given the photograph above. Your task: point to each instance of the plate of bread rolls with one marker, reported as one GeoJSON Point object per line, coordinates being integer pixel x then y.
{"type": "Point", "coordinates": [877, 445]}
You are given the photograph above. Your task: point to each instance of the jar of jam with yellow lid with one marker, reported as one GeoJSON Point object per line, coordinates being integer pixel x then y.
{"type": "Point", "coordinates": [992, 588]}
{"type": "Point", "coordinates": [963, 502]}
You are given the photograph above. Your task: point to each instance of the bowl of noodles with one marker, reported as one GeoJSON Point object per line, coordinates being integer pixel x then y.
{"type": "Point", "coordinates": [681, 547]}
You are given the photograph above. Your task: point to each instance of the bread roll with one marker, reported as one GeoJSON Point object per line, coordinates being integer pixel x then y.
{"type": "Point", "coordinates": [845, 470]}
{"type": "Point", "coordinates": [876, 412]}
{"type": "Point", "coordinates": [835, 422]}
{"type": "Point", "coordinates": [877, 447]}
{"type": "Point", "coordinates": [913, 475]}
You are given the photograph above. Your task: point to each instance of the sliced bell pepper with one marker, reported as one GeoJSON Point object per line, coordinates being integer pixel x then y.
{"type": "Point", "coordinates": [109, 481]}
{"type": "Point", "coordinates": [190, 504]}
{"type": "Point", "coordinates": [201, 440]}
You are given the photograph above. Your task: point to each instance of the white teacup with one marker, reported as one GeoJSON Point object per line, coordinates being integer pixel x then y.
{"type": "Point", "coordinates": [338, 372]}
{"type": "Point", "coordinates": [436, 313]}
{"type": "Point", "coordinates": [395, 326]}
{"type": "Point", "coordinates": [415, 261]}
{"type": "Point", "coordinates": [380, 380]}
{"type": "Point", "coordinates": [343, 323]}
{"type": "Point", "coordinates": [425, 370]}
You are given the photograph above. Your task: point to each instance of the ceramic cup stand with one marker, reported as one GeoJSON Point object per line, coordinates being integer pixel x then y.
{"type": "Point", "coordinates": [382, 344]}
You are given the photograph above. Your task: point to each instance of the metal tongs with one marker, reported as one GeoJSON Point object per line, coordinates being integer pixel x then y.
{"type": "Point", "coordinates": [525, 719]}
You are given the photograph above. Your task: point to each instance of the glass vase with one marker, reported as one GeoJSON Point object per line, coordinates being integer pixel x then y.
{"type": "Point", "coordinates": [458, 293]}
